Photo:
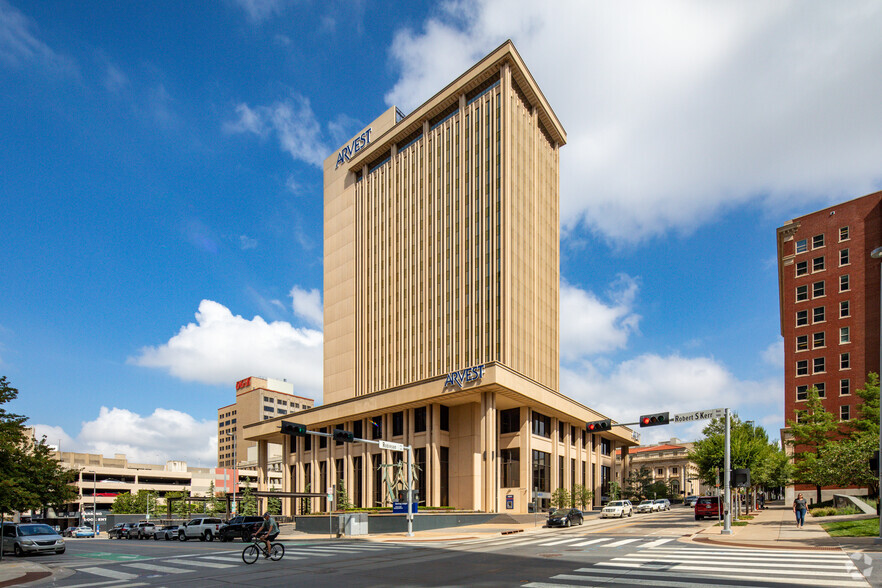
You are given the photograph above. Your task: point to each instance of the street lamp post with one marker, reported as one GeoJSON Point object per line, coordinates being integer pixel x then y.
{"type": "Point", "coordinates": [877, 254]}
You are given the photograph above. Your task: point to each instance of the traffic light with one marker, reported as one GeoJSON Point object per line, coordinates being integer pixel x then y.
{"type": "Point", "coordinates": [740, 478]}
{"type": "Point", "coordinates": [341, 435]}
{"type": "Point", "coordinates": [598, 426]}
{"type": "Point", "coordinates": [295, 429]}
{"type": "Point", "coordinates": [652, 420]}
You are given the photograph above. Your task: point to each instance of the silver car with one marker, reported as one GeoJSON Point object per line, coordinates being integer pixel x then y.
{"type": "Point", "coordinates": [22, 539]}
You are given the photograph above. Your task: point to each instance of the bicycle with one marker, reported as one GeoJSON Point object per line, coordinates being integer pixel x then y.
{"type": "Point", "coordinates": [253, 551]}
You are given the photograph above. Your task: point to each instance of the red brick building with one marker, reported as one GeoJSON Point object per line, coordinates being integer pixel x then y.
{"type": "Point", "coordinates": [828, 291]}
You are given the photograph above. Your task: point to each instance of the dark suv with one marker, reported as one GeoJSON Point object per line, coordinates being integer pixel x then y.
{"type": "Point", "coordinates": [242, 527]}
{"type": "Point", "coordinates": [707, 506]}
{"type": "Point", "coordinates": [120, 530]}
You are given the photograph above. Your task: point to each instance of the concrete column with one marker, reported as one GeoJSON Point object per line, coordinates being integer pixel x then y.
{"type": "Point", "coordinates": [526, 454]}
{"type": "Point", "coordinates": [262, 474]}
{"type": "Point", "coordinates": [433, 456]}
{"type": "Point", "coordinates": [286, 476]}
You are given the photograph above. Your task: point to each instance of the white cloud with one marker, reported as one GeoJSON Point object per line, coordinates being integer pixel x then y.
{"type": "Point", "coordinates": [589, 326]}
{"type": "Point", "coordinates": [292, 121]}
{"type": "Point", "coordinates": [260, 10]}
{"type": "Point", "coordinates": [20, 46]}
{"type": "Point", "coordinates": [246, 242]}
{"type": "Point", "coordinates": [307, 304]}
{"type": "Point", "coordinates": [221, 348]}
{"type": "Point", "coordinates": [774, 354]}
{"type": "Point", "coordinates": [115, 81]}
{"type": "Point", "coordinates": [164, 435]}
{"type": "Point", "coordinates": [653, 383]}
{"type": "Point", "coordinates": [676, 112]}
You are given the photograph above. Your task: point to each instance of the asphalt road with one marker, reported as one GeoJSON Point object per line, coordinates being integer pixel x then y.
{"type": "Point", "coordinates": [643, 550]}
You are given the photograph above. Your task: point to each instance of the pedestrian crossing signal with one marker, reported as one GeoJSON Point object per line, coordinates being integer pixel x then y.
{"type": "Point", "coordinates": [598, 426]}
{"type": "Point", "coordinates": [653, 420]}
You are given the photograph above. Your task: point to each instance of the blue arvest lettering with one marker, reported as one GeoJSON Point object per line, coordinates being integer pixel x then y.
{"type": "Point", "coordinates": [461, 377]}
{"type": "Point", "coordinates": [359, 143]}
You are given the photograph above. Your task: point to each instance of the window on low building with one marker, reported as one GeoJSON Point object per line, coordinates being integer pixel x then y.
{"type": "Point", "coordinates": [377, 427]}
{"type": "Point", "coordinates": [802, 392]}
{"type": "Point", "coordinates": [541, 425]}
{"type": "Point", "coordinates": [419, 419]}
{"type": "Point", "coordinates": [509, 421]}
{"type": "Point", "coordinates": [844, 412]}
{"type": "Point", "coordinates": [843, 234]}
{"type": "Point", "coordinates": [511, 467]}
{"type": "Point", "coordinates": [817, 241]}
{"type": "Point", "coordinates": [397, 423]}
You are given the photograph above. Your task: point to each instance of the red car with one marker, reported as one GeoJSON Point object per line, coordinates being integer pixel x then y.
{"type": "Point", "coordinates": [708, 506]}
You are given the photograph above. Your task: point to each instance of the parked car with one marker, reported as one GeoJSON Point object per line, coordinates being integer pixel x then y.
{"type": "Point", "coordinates": [142, 530]}
{"type": "Point", "coordinates": [120, 531]}
{"type": "Point", "coordinates": [204, 529]}
{"type": "Point", "coordinates": [690, 501]}
{"type": "Point", "coordinates": [617, 508]}
{"type": "Point", "coordinates": [662, 504]}
{"type": "Point", "coordinates": [564, 517]}
{"type": "Point", "coordinates": [645, 506]}
{"type": "Point", "coordinates": [239, 527]}
{"type": "Point", "coordinates": [83, 532]}
{"type": "Point", "coordinates": [707, 506]}
{"type": "Point", "coordinates": [25, 538]}
{"type": "Point", "coordinates": [167, 532]}
{"type": "Point", "coordinates": [69, 531]}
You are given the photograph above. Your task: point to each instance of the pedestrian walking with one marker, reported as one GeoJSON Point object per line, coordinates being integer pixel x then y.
{"type": "Point", "coordinates": [799, 508]}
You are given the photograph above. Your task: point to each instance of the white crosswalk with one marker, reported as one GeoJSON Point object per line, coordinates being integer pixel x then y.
{"type": "Point", "coordinates": [693, 567]}
{"type": "Point", "coordinates": [572, 541]}
{"type": "Point", "coordinates": [216, 560]}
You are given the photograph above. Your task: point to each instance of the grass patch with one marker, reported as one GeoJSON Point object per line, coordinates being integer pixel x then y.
{"type": "Point", "coordinates": [862, 528]}
{"type": "Point", "coordinates": [734, 524]}
{"type": "Point", "coordinates": [830, 511]}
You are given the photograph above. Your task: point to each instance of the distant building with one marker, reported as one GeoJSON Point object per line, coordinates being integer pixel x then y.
{"type": "Point", "coordinates": [257, 399]}
{"type": "Point", "coordinates": [668, 462]}
{"type": "Point", "coordinates": [829, 304]}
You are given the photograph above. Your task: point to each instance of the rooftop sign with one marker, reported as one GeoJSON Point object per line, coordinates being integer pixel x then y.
{"type": "Point", "coordinates": [359, 143]}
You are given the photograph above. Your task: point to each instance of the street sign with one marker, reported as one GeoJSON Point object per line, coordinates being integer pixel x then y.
{"type": "Point", "coordinates": [391, 446]}
{"type": "Point", "coordinates": [543, 494]}
{"type": "Point", "coordinates": [401, 507]}
{"type": "Point", "coordinates": [698, 415]}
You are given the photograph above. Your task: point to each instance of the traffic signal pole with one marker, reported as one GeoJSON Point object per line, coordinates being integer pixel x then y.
{"type": "Point", "coordinates": [727, 491]}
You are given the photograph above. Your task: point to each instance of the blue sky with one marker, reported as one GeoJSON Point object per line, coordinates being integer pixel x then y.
{"type": "Point", "coordinates": [161, 191]}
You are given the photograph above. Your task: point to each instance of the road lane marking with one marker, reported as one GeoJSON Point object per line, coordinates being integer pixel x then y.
{"type": "Point", "coordinates": [115, 574]}
{"type": "Point", "coordinates": [592, 542]}
{"type": "Point", "coordinates": [656, 543]}
{"type": "Point", "coordinates": [622, 542]}
{"type": "Point", "coordinates": [155, 568]}
{"type": "Point", "coordinates": [559, 542]}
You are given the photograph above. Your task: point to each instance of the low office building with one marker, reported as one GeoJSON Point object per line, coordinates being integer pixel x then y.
{"type": "Point", "coordinates": [668, 462]}
{"type": "Point", "coordinates": [441, 315]}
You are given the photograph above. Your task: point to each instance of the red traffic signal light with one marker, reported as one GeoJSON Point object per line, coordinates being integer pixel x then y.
{"type": "Point", "coordinates": [652, 420]}
{"type": "Point", "coordinates": [598, 426]}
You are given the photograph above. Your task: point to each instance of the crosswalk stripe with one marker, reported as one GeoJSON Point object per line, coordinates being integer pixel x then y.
{"type": "Point", "coordinates": [155, 568]}
{"type": "Point", "coordinates": [793, 578]}
{"type": "Point", "coordinates": [592, 542]}
{"type": "Point", "coordinates": [700, 581]}
{"type": "Point", "coordinates": [559, 542]}
{"type": "Point", "coordinates": [798, 555]}
{"type": "Point", "coordinates": [115, 574]}
{"type": "Point", "coordinates": [622, 542]}
{"type": "Point", "coordinates": [656, 543]}
{"type": "Point", "coordinates": [223, 557]}
{"type": "Point", "coordinates": [732, 562]}
{"type": "Point", "coordinates": [203, 564]}
{"type": "Point", "coordinates": [742, 568]}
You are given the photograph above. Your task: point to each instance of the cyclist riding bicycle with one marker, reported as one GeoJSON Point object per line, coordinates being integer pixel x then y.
{"type": "Point", "coordinates": [268, 531]}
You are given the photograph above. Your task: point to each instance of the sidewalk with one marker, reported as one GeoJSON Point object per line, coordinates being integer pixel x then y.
{"type": "Point", "coordinates": [775, 528]}
{"type": "Point", "coordinates": [15, 571]}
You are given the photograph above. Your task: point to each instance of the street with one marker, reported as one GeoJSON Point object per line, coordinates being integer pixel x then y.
{"type": "Point", "coordinates": [643, 550]}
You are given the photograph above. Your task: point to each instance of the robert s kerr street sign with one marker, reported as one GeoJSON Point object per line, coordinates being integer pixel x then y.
{"type": "Point", "coordinates": [699, 415]}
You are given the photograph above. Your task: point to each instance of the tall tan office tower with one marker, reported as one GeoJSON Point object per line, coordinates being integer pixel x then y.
{"type": "Point", "coordinates": [441, 282]}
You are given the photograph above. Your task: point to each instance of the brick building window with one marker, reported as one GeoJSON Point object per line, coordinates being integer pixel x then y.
{"type": "Point", "coordinates": [802, 392]}
{"type": "Point", "coordinates": [844, 335]}
{"type": "Point", "coordinates": [843, 257]}
{"type": "Point", "coordinates": [801, 268]}
{"type": "Point", "coordinates": [844, 361]}
{"type": "Point", "coordinates": [818, 314]}
{"type": "Point", "coordinates": [802, 246]}
{"type": "Point", "coordinates": [821, 389]}
{"type": "Point", "coordinates": [844, 387]}
{"type": "Point", "coordinates": [844, 413]}
{"type": "Point", "coordinates": [801, 318]}
{"type": "Point", "coordinates": [801, 293]}
{"type": "Point", "coordinates": [818, 289]}
{"type": "Point", "coordinates": [818, 365]}
{"type": "Point", "coordinates": [844, 310]}
{"type": "Point", "coordinates": [818, 264]}
{"type": "Point", "coordinates": [843, 234]}
{"type": "Point", "coordinates": [818, 340]}
{"type": "Point", "coordinates": [801, 342]}
{"type": "Point", "coordinates": [817, 241]}
{"type": "Point", "coordinates": [802, 367]}
{"type": "Point", "coordinates": [844, 283]}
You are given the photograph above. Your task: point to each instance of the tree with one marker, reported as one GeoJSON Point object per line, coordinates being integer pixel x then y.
{"type": "Point", "coordinates": [213, 505]}
{"type": "Point", "coordinates": [638, 484]}
{"type": "Point", "coordinates": [306, 503]}
{"type": "Point", "coordinates": [128, 503]}
{"type": "Point", "coordinates": [811, 434]}
{"type": "Point", "coordinates": [30, 477]}
{"type": "Point", "coordinates": [614, 490]}
{"type": "Point", "coordinates": [560, 498]}
{"type": "Point", "coordinates": [343, 502]}
{"type": "Point", "coordinates": [274, 505]}
{"type": "Point", "coordinates": [581, 496]}
{"type": "Point", "coordinates": [248, 503]}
